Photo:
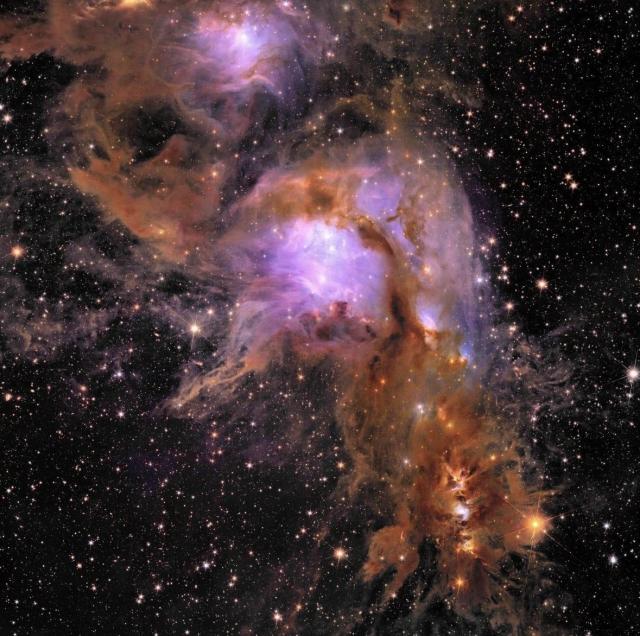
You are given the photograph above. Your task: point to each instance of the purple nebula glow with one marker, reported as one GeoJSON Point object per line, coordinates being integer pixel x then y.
{"type": "Point", "coordinates": [429, 315]}
{"type": "Point", "coordinates": [255, 49]}
{"type": "Point", "coordinates": [379, 196]}
{"type": "Point", "coordinates": [324, 264]}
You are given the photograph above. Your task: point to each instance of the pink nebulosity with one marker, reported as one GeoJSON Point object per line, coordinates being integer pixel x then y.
{"type": "Point", "coordinates": [325, 264]}
{"type": "Point", "coordinates": [253, 49]}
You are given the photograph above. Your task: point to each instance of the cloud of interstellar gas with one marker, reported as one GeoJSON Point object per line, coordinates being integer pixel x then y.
{"type": "Point", "coordinates": [240, 142]}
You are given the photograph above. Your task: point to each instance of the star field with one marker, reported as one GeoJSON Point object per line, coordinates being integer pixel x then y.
{"type": "Point", "coordinates": [282, 282]}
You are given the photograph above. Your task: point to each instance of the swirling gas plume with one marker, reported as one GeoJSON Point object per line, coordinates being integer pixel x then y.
{"type": "Point", "coordinates": [368, 260]}
{"type": "Point", "coordinates": [170, 95]}
{"type": "Point", "coordinates": [195, 125]}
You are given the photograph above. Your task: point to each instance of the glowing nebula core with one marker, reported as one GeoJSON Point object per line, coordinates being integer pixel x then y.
{"type": "Point", "coordinates": [351, 255]}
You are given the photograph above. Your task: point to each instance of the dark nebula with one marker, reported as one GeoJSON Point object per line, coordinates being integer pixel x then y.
{"type": "Point", "coordinates": [319, 318]}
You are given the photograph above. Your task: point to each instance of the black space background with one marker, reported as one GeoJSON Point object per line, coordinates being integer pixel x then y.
{"type": "Point", "coordinates": [69, 472]}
